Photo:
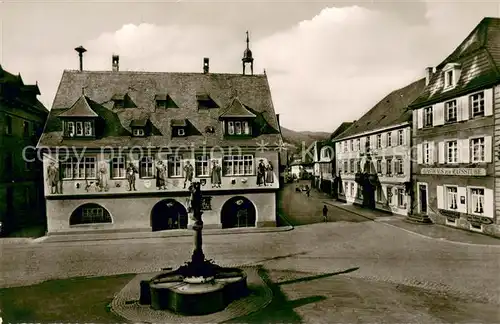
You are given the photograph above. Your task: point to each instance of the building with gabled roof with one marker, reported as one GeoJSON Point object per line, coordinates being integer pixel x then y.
{"type": "Point", "coordinates": [22, 118]}
{"type": "Point", "coordinates": [138, 139]}
{"type": "Point", "coordinates": [456, 169]}
{"type": "Point", "coordinates": [372, 155]}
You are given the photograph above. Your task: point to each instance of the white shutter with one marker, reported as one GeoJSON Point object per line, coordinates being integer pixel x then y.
{"type": "Point", "coordinates": [384, 140]}
{"type": "Point", "coordinates": [420, 157]}
{"type": "Point", "coordinates": [440, 197]}
{"type": "Point", "coordinates": [463, 151]}
{"type": "Point", "coordinates": [420, 118]}
{"type": "Point", "coordinates": [488, 102]}
{"type": "Point", "coordinates": [373, 141]}
{"type": "Point", "coordinates": [438, 114]}
{"type": "Point", "coordinates": [441, 152]}
{"type": "Point", "coordinates": [488, 202]}
{"type": "Point", "coordinates": [487, 149]}
{"type": "Point", "coordinates": [362, 143]}
{"type": "Point", "coordinates": [383, 168]}
{"type": "Point", "coordinates": [404, 136]}
{"type": "Point", "coordinates": [462, 192]}
{"type": "Point", "coordinates": [432, 153]}
{"type": "Point", "coordinates": [463, 103]}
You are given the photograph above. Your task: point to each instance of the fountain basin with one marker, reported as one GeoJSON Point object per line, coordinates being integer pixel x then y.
{"type": "Point", "coordinates": [194, 295]}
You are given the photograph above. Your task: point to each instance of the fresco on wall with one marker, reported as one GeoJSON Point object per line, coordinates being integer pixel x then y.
{"type": "Point", "coordinates": [188, 172]}
{"type": "Point", "coordinates": [269, 173]}
{"type": "Point", "coordinates": [53, 178]}
{"type": "Point", "coordinates": [102, 178]}
{"type": "Point", "coordinates": [131, 175]}
{"type": "Point", "coordinates": [216, 175]}
{"type": "Point", "coordinates": [265, 173]}
{"type": "Point", "coordinates": [161, 176]}
{"type": "Point", "coordinates": [261, 173]}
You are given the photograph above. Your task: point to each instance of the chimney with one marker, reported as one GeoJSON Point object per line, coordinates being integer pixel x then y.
{"type": "Point", "coordinates": [206, 65]}
{"type": "Point", "coordinates": [80, 51]}
{"type": "Point", "coordinates": [116, 62]}
{"type": "Point", "coordinates": [428, 74]}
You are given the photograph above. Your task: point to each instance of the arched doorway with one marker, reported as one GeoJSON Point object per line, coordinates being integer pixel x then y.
{"type": "Point", "coordinates": [168, 214]}
{"type": "Point", "coordinates": [238, 212]}
{"type": "Point", "coordinates": [90, 214]}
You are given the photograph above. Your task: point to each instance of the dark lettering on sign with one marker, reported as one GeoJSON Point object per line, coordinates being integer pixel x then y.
{"type": "Point", "coordinates": [206, 203]}
{"type": "Point", "coordinates": [449, 213]}
{"type": "Point", "coordinates": [474, 220]}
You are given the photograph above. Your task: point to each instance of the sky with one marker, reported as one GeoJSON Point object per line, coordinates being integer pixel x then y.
{"type": "Point", "coordinates": [327, 61]}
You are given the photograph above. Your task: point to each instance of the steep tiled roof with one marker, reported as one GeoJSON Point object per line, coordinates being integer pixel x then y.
{"type": "Point", "coordinates": [391, 110]}
{"type": "Point", "coordinates": [237, 109]}
{"type": "Point", "coordinates": [479, 58]}
{"type": "Point", "coordinates": [142, 87]}
{"type": "Point", "coordinates": [80, 108]}
{"type": "Point", "coordinates": [342, 128]}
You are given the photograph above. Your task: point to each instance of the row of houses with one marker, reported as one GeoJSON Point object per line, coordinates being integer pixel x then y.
{"type": "Point", "coordinates": [430, 149]}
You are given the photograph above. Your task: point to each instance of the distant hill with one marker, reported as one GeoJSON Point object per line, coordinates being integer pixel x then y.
{"type": "Point", "coordinates": [297, 138]}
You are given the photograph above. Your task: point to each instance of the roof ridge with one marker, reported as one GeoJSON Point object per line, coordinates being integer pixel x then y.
{"type": "Point", "coordinates": [165, 72]}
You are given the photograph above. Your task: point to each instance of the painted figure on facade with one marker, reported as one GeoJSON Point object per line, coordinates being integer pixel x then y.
{"type": "Point", "coordinates": [216, 174]}
{"type": "Point", "coordinates": [161, 176]}
{"type": "Point", "coordinates": [102, 177]}
{"type": "Point", "coordinates": [53, 178]}
{"type": "Point", "coordinates": [188, 173]}
{"type": "Point", "coordinates": [269, 173]}
{"type": "Point", "coordinates": [131, 171]}
{"type": "Point", "coordinates": [261, 173]}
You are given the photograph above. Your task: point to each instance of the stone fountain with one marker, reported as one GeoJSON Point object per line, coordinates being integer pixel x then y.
{"type": "Point", "coordinates": [199, 287]}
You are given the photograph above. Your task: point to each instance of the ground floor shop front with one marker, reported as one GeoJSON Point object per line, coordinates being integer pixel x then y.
{"type": "Point", "coordinates": [389, 197]}
{"type": "Point", "coordinates": [160, 213]}
{"type": "Point", "coordinates": [465, 202]}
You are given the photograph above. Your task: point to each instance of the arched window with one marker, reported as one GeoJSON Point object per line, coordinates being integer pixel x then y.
{"type": "Point", "coordinates": [90, 214]}
{"type": "Point", "coordinates": [238, 212]}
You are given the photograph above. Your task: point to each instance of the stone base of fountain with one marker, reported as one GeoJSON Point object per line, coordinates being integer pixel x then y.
{"type": "Point", "coordinates": [194, 289]}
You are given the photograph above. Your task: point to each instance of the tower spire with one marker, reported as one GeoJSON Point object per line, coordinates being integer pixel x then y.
{"type": "Point", "coordinates": [247, 56]}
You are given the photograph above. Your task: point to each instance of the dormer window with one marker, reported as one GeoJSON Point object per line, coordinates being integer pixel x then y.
{"type": "Point", "coordinates": [138, 132]}
{"type": "Point", "coordinates": [451, 74]}
{"type": "Point", "coordinates": [179, 127]}
{"type": "Point", "coordinates": [165, 101]}
{"type": "Point", "coordinates": [205, 101]}
{"type": "Point", "coordinates": [238, 128]}
{"type": "Point", "coordinates": [140, 127]}
{"type": "Point", "coordinates": [122, 101]}
{"type": "Point", "coordinates": [79, 128]}
{"type": "Point", "coordinates": [119, 103]}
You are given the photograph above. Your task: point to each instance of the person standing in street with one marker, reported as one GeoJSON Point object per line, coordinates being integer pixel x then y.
{"type": "Point", "coordinates": [325, 213]}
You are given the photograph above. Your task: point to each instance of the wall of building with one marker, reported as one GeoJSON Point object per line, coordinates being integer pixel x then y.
{"type": "Point", "coordinates": [135, 212]}
{"type": "Point", "coordinates": [496, 150]}
{"type": "Point", "coordinates": [386, 198]}
{"type": "Point", "coordinates": [437, 174]}
{"type": "Point", "coordinates": [71, 187]}
{"type": "Point", "coordinates": [22, 180]}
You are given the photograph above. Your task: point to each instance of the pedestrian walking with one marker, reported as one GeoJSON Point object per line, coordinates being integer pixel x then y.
{"type": "Point", "coordinates": [325, 213]}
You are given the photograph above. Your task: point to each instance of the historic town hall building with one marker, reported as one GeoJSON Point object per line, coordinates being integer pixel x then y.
{"type": "Point", "coordinates": [456, 173]}
{"type": "Point", "coordinates": [121, 149]}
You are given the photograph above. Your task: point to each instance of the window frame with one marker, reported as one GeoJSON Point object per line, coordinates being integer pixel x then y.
{"type": "Point", "coordinates": [90, 127]}
{"type": "Point", "coordinates": [400, 137]}
{"type": "Point", "coordinates": [201, 162]}
{"type": "Point", "coordinates": [175, 166]}
{"type": "Point", "coordinates": [400, 194]}
{"type": "Point", "coordinates": [76, 128]}
{"type": "Point", "coordinates": [379, 166]}
{"type": "Point", "coordinates": [78, 169]}
{"type": "Point", "coordinates": [447, 197]}
{"type": "Point", "coordinates": [70, 131]}
{"type": "Point", "coordinates": [147, 164]}
{"type": "Point", "coordinates": [115, 164]}
{"type": "Point", "coordinates": [482, 152]}
{"type": "Point", "coordinates": [448, 79]}
{"type": "Point", "coordinates": [428, 116]}
{"type": "Point", "coordinates": [379, 141]}
{"type": "Point", "coordinates": [138, 132]}
{"type": "Point", "coordinates": [389, 194]}
{"type": "Point", "coordinates": [471, 195]}
{"type": "Point", "coordinates": [447, 107]}
{"type": "Point", "coordinates": [245, 162]}
{"type": "Point", "coordinates": [447, 151]}
{"type": "Point", "coordinates": [388, 166]}
{"type": "Point", "coordinates": [9, 121]}
{"type": "Point", "coordinates": [426, 153]}
{"type": "Point", "coordinates": [389, 139]}
{"type": "Point", "coordinates": [480, 102]}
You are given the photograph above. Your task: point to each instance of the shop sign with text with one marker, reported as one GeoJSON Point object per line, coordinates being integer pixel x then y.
{"type": "Point", "coordinates": [454, 171]}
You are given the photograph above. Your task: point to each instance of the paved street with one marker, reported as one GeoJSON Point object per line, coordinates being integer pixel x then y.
{"type": "Point", "coordinates": [381, 259]}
